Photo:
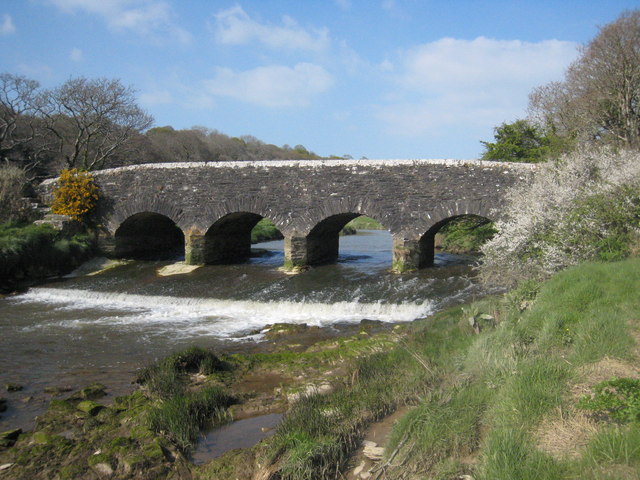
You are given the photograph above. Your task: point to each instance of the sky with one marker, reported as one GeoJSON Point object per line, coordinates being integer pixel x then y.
{"type": "Point", "coordinates": [367, 78]}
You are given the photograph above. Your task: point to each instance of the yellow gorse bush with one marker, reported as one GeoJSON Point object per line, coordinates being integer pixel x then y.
{"type": "Point", "coordinates": [76, 194]}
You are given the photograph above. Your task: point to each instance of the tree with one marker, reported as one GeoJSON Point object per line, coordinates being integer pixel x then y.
{"type": "Point", "coordinates": [92, 120]}
{"type": "Point", "coordinates": [599, 99]}
{"type": "Point", "coordinates": [23, 140]}
{"type": "Point", "coordinates": [519, 141]}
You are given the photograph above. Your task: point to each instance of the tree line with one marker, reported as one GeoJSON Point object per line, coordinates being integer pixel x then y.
{"type": "Point", "coordinates": [90, 124]}
{"type": "Point", "coordinates": [597, 103]}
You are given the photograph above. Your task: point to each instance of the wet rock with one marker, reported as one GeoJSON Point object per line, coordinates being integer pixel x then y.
{"type": "Point", "coordinates": [9, 437]}
{"type": "Point", "coordinates": [91, 392]}
{"type": "Point", "coordinates": [90, 407]}
{"type": "Point", "coordinates": [279, 329]}
{"type": "Point", "coordinates": [367, 324]}
{"type": "Point", "coordinates": [372, 451]}
{"type": "Point", "coordinates": [56, 390]}
{"type": "Point", "coordinates": [13, 387]}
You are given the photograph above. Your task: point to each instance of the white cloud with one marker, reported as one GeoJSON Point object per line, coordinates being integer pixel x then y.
{"type": "Point", "coordinates": [149, 18]}
{"type": "Point", "coordinates": [272, 86]}
{"type": "Point", "coordinates": [235, 27]}
{"type": "Point", "coordinates": [6, 26]}
{"type": "Point", "coordinates": [76, 55]}
{"type": "Point", "coordinates": [156, 97]}
{"type": "Point", "coordinates": [343, 4]}
{"type": "Point", "coordinates": [458, 83]}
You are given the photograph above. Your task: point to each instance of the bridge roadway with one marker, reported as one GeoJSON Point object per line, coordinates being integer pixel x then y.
{"type": "Point", "coordinates": [209, 209]}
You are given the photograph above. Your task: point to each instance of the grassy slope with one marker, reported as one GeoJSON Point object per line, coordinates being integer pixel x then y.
{"type": "Point", "coordinates": [486, 403]}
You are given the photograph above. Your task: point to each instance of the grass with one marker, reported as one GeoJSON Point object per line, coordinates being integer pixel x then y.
{"type": "Point", "coordinates": [181, 417]}
{"type": "Point", "coordinates": [37, 251]}
{"type": "Point", "coordinates": [180, 413]}
{"type": "Point", "coordinates": [480, 398]}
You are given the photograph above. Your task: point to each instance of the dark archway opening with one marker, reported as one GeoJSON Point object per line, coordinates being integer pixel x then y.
{"type": "Point", "coordinates": [149, 236]}
{"type": "Point", "coordinates": [461, 234]}
{"type": "Point", "coordinates": [229, 239]}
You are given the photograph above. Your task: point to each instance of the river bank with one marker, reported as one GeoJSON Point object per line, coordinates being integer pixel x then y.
{"type": "Point", "coordinates": [494, 390]}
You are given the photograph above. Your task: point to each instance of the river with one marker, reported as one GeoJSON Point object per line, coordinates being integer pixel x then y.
{"type": "Point", "coordinates": [103, 327]}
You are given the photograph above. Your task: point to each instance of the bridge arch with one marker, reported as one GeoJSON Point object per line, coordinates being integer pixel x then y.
{"type": "Point", "coordinates": [322, 243]}
{"type": "Point", "coordinates": [149, 236]}
{"type": "Point", "coordinates": [228, 239]}
{"type": "Point", "coordinates": [420, 253]}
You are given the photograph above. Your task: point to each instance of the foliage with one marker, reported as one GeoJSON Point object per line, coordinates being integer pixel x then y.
{"type": "Point", "coordinates": [584, 206]}
{"type": "Point", "coordinates": [466, 234]}
{"type": "Point", "coordinates": [265, 231]}
{"type": "Point", "coordinates": [599, 99]}
{"type": "Point", "coordinates": [519, 141]}
{"type": "Point", "coordinates": [365, 223]}
{"type": "Point", "coordinates": [12, 182]}
{"type": "Point", "coordinates": [618, 398]}
{"type": "Point", "coordinates": [38, 251]}
{"type": "Point", "coordinates": [76, 195]}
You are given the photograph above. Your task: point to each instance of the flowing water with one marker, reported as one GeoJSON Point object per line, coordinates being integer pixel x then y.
{"type": "Point", "coordinates": [102, 327]}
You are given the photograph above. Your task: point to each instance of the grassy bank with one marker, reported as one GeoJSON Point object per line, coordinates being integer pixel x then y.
{"type": "Point", "coordinates": [33, 252]}
{"type": "Point", "coordinates": [496, 388]}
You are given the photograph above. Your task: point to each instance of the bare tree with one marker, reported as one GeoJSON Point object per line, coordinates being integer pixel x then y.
{"type": "Point", "coordinates": [599, 99]}
{"type": "Point", "coordinates": [23, 140]}
{"type": "Point", "coordinates": [92, 120]}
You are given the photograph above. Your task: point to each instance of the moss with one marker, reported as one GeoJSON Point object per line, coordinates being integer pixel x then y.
{"type": "Point", "coordinates": [91, 392]}
{"type": "Point", "coordinates": [101, 458]}
{"type": "Point", "coordinates": [153, 451]}
{"type": "Point", "coordinates": [90, 407]}
{"type": "Point", "coordinates": [70, 472]}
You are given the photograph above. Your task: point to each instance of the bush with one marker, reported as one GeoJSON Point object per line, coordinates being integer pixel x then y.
{"type": "Point", "coordinates": [586, 206]}
{"type": "Point", "coordinates": [12, 182]}
{"type": "Point", "coordinates": [38, 251]}
{"type": "Point", "coordinates": [76, 194]}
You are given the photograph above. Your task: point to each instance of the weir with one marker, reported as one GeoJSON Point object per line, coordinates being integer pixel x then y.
{"type": "Point", "coordinates": [214, 206]}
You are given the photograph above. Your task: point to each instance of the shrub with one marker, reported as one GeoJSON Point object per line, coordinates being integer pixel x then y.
{"type": "Point", "coordinates": [38, 251]}
{"type": "Point", "coordinates": [76, 194]}
{"type": "Point", "coordinates": [585, 206]}
{"type": "Point", "coordinates": [12, 182]}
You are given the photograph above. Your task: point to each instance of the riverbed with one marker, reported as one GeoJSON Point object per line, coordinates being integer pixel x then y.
{"type": "Point", "coordinates": [104, 326]}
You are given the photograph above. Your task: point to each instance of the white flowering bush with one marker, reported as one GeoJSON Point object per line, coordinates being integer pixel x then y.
{"type": "Point", "coordinates": [584, 206]}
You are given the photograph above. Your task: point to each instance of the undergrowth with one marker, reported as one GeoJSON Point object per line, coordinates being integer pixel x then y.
{"type": "Point", "coordinates": [481, 391]}
{"type": "Point", "coordinates": [38, 251]}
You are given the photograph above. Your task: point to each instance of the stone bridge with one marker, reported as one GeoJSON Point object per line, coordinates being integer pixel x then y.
{"type": "Point", "coordinates": [209, 209]}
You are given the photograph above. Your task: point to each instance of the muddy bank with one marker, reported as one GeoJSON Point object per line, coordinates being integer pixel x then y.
{"type": "Point", "coordinates": [89, 434]}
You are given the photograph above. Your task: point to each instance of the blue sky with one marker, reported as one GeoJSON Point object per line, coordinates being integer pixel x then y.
{"type": "Point", "coordinates": [375, 78]}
